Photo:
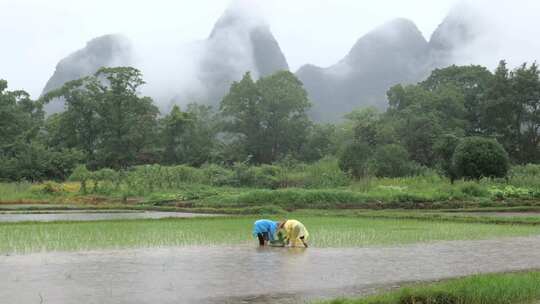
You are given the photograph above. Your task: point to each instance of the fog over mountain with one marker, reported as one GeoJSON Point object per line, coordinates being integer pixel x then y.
{"type": "Point", "coordinates": [201, 71]}
{"type": "Point", "coordinates": [108, 50]}
{"type": "Point", "coordinates": [238, 43]}
{"type": "Point", "coordinates": [241, 40]}
{"type": "Point", "coordinates": [394, 52]}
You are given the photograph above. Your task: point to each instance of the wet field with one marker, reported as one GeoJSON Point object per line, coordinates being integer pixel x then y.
{"type": "Point", "coordinates": [93, 216]}
{"type": "Point", "coordinates": [496, 214]}
{"type": "Point", "coordinates": [245, 274]}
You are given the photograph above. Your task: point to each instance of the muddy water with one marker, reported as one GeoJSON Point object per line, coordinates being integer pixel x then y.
{"type": "Point", "coordinates": [86, 216]}
{"type": "Point", "coordinates": [246, 274]}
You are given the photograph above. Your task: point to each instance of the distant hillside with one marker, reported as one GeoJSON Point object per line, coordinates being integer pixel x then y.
{"type": "Point", "coordinates": [393, 53]}
{"type": "Point", "coordinates": [109, 50]}
{"type": "Point", "coordinates": [236, 45]}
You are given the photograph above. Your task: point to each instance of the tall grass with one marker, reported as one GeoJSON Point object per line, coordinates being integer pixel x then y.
{"type": "Point", "coordinates": [14, 192]}
{"type": "Point", "coordinates": [318, 185]}
{"type": "Point", "coordinates": [479, 289]}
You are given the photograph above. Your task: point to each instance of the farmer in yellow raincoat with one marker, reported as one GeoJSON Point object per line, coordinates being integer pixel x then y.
{"type": "Point", "coordinates": [296, 233]}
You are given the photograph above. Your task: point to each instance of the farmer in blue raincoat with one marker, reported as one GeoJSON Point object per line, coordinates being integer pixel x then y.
{"type": "Point", "coordinates": [265, 231]}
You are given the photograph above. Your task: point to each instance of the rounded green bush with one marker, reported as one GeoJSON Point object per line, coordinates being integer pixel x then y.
{"type": "Point", "coordinates": [477, 157]}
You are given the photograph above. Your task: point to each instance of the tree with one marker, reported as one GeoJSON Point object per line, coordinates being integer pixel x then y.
{"type": "Point", "coordinates": [190, 137]}
{"type": "Point", "coordinates": [174, 126]}
{"type": "Point", "coordinates": [355, 158]}
{"type": "Point", "coordinates": [23, 156]}
{"type": "Point", "coordinates": [511, 110]}
{"type": "Point", "coordinates": [366, 122]}
{"type": "Point", "coordinates": [106, 118]}
{"type": "Point", "coordinates": [526, 93]}
{"type": "Point", "coordinates": [477, 157]}
{"type": "Point", "coordinates": [320, 142]}
{"type": "Point", "coordinates": [469, 81]}
{"type": "Point", "coordinates": [392, 161]}
{"type": "Point", "coordinates": [20, 117]}
{"type": "Point", "coordinates": [269, 116]}
{"type": "Point", "coordinates": [128, 122]}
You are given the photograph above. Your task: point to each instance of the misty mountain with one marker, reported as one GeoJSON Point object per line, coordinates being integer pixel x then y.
{"type": "Point", "coordinates": [238, 43]}
{"type": "Point", "coordinates": [458, 30]}
{"type": "Point", "coordinates": [104, 51]}
{"type": "Point", "coordinates": [393, 53]}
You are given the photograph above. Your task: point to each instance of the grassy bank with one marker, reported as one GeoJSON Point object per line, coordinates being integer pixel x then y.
{"type": "Point", "coordinates": [326, 231]}
{"type": "Point", "coordinates": [482, 289]}
{"type": "Point", "coordinates": [317, 186]}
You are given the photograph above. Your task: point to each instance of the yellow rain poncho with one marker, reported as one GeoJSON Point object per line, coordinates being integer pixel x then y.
{"type": "Point", "coordinates": [294, 230]}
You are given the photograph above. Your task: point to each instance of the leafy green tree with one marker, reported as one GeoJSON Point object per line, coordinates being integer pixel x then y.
{"type": "Point", "coordinates": [366, 123]}
{"type": "Point", "coordinates": [35, 162]}
{"type": "Point", "coordinates": [511, 111]}
{"type": "Point", "coordinates": [471, 82]}
{"type": "Point", "coordinates": [128, 122]}
{"type": "Point", "coordinates": [320, 142]}
{"type": "Point", "coordinates": [355, 159]}
{"type": "Point", "coordinates": [79, 125]}
{"type": "Point", "coordinates": [190, 137]}
{"type": "Point", "coordinates": [499, 111]}
{"type": "Point", "coordinates": [526, 93]}
{"type": "Point", "coordinates": [106, 118]}
{"type": "Point", "coordinates": [392, 161]}
{"type": "Point", "coordinates": [22, 154]}
{"type": "Point", "coordinates": [20, 117]}
{"type": "Point", "coordinates": [174, 126]}
{"type": "Point", "coordinates": [269, 115]}
{"type": "Point", "coordinates": [477, 157]}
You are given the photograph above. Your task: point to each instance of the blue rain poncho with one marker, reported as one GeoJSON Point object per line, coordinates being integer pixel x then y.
{"type": "Point", "coordinates": [268, 226]}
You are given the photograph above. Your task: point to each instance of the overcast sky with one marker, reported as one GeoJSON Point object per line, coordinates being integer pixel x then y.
{"type": "Point", "coordinates": [36, 34]}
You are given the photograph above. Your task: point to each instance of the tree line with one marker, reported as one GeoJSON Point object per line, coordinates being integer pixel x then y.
{"type": "Point", "coordinates": [458, 114]}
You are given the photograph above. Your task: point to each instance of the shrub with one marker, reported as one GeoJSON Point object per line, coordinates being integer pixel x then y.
{"type": "Point", "coordinates": [393, 161]}
{"type": "Point", "coordinates": [325, 174]}
{"type": "Point", "coordinates": [217, 176]}
{"type": "Point", "coordinates": [82, 175]}
{"type": "Point", "coordinates": [265, 176]}
{"type": "Point", "coordinates": [477, 157]}
{"type": "Point", "coordinates": [48, 187]}
{"type": "Point", "coordinates": [354, 159]}
{"type": "Point", "coordinates": [473, 189]}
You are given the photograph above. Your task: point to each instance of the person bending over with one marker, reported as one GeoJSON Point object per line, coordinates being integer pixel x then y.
{"type": "Point", "coordinates": [265, 231]}
{"type": "Point", "coordinates": [295, 233]}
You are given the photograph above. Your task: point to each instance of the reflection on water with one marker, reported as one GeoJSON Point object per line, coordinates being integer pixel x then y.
{"type": "Point", "coordinates": [85, 216]}
{"type": "Point", "coordinates": [248, 274]}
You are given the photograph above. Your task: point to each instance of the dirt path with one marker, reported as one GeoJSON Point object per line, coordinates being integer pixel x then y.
{"type": "Point", "coordinates": [248, 275]}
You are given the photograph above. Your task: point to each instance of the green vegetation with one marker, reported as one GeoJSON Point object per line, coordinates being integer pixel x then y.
{"type": "Point", "coordinates": [481, 289]}
{"type": "Point", "coordinates": [327, 231]}
{"type": "Point", "coordinates": [262, 122]}
{"type": "Point", "coordinates": [477, 157]}
{"type": "Point", "coordinates": [273, 188]}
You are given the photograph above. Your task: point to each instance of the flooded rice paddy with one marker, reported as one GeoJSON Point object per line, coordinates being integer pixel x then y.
{"type": "Point", "coordinates": [245, 274]}
{"type": "Point", "coordinates": [93, 216]}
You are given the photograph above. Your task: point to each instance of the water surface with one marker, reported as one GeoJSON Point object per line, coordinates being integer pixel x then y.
{"type": "Point", "coordinates": [93, 216]}
{"type": "Point", "coordinates": [245, 274]}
